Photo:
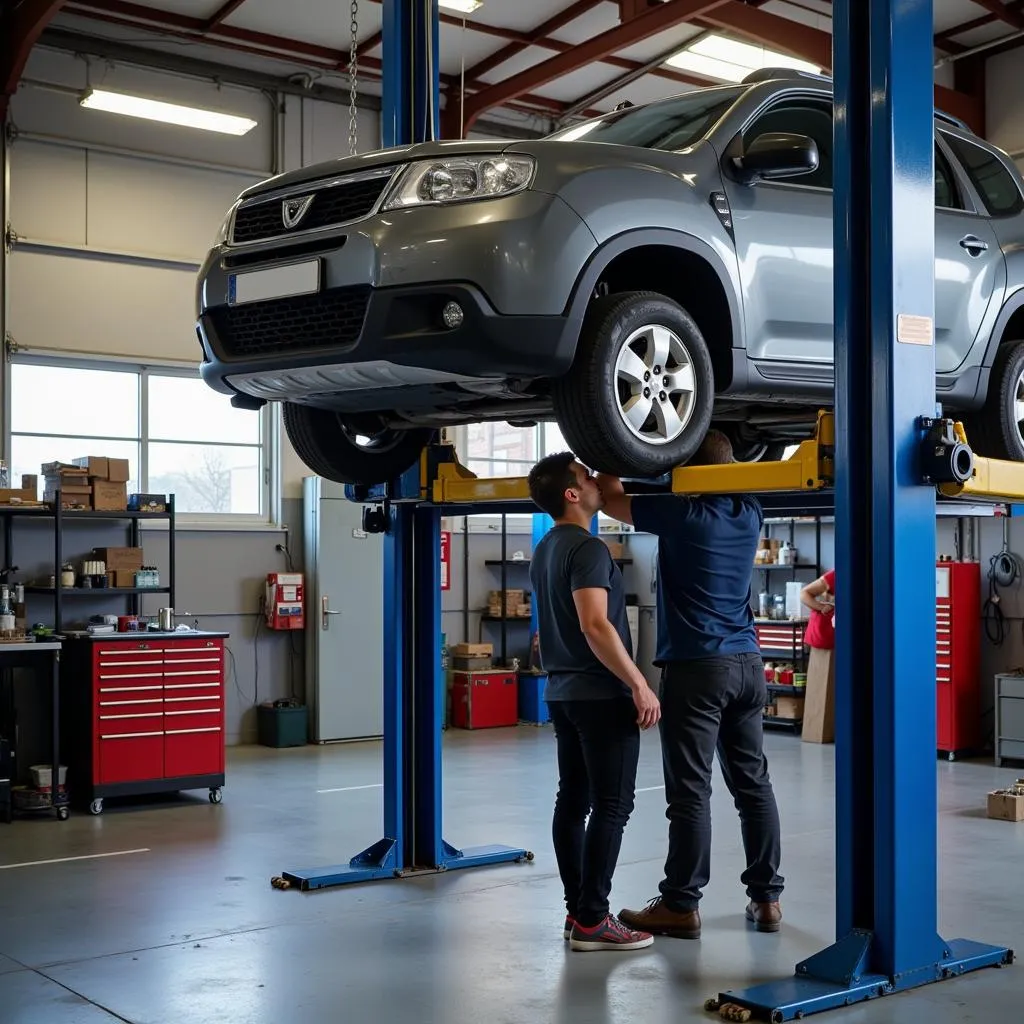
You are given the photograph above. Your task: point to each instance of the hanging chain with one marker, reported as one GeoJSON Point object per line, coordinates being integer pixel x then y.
{"type": "Point", "coordinates": [353, 128]}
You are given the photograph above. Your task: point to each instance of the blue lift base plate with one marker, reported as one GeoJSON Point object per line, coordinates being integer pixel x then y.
{"type": "Point", "coordinates": [380, 861]}
{"type": "Point", "coordinates": [838, 982]}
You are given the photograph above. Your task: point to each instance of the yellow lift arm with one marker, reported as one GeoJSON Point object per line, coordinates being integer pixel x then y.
{"type": "Point", "coordinates": [947, 462]}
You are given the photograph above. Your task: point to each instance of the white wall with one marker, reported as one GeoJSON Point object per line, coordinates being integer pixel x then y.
{"type": "Point", "coordinates": [111, 240]}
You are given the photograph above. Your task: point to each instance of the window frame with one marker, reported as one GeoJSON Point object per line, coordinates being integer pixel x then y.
{"type": "Point", "coordinates": [982, 204]}
{"type": "Point", "coordinates": [269, 442]}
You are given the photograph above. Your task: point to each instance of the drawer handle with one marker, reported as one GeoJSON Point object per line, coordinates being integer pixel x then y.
{"type": "Point", "coordinates": [111, 718]}
{"type": "Point", "coordinates": [194, 711]}
{"type": "Point", "coordinates": [129, 735]}
{"type": "Point", "coordinates": [183, 732]}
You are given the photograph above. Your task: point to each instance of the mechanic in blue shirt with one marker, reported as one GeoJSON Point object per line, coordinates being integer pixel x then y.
{"type": "Point", "coordinates": [713, 692]}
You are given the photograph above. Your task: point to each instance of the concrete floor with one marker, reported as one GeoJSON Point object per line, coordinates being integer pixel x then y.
{"type": "Point", "coordinates": [184, 928]}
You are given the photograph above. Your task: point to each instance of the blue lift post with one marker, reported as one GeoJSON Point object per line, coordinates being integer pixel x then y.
{"type": "Point", "coordinates": [414, 685]}
{"type": "Point", "coordinates": [886, 803]}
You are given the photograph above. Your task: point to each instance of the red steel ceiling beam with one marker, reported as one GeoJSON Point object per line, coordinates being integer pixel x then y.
{"type": "Point", "coordinates": [814, 45]}
{"type": "Point", "coordinates": [651, 23]}
{"type": "Point", "coordinates": [183, 27]}
{"type": "Point", "coordinates": [1002, 12]}
{"type": "Point", "coordinates": [20, 27]}
{"type": "Point", "coordinates": [949, 36]}
{"type": "Point", "coordinates": [222, 13]}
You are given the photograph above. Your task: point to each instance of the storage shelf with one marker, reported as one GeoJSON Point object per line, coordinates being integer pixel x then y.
{"type": "Point", "coordinates": [526, 561]}
{"type": "Point", "coordinates": [789, 724]}
{"type": "Point", "coordinates": [68, 513]}
{"type": "Point", "coordinates": [97, 591]}
{"type": "Point", "coordinates": [786, 690]}
{"type": "Point", "coordinates": [779, 565]}
{"type": "Point", "coordinates": [508, 618]}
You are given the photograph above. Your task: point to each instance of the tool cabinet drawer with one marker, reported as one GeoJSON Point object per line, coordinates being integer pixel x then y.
{"type": "Point", "coordinates": [1009, 686]}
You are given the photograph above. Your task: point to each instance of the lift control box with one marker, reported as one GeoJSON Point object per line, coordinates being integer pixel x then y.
{"type": "Point", "coordinates": [283, 606]}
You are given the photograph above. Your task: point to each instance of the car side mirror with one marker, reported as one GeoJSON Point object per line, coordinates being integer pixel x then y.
{"type": "Point", "coordinates": [777, 155]}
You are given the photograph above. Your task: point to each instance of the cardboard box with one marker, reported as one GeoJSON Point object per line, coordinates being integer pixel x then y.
{"type": "Point", "coordinates": [94, 465]}
{"type": "Point", "coordinates": [820, 712]}
{"type": "Point", "coordinates": [120, 558]}
{"type": "Point", "coordinates": [472, 650]}
{"type": "Point", "coordinates": [123, 577]}
{"type": "Point", "coordinates": [615, 548]}
{"type": "Point", "coordinates": [108, 496]}
{"type": "Point", "coordinates": [789, 708]}
{"type": "Point", "coordinates": [117, 471]}
{"type": "Point", "coordinates": [1006, 806]}
{"type": "Point", "coordinates": [75, 498]}
{"type": "Point", "coordinates": [17, 495]}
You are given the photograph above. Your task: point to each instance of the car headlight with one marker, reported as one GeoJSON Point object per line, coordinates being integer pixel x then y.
{"type": "Point", "coordinates": [461, 179]}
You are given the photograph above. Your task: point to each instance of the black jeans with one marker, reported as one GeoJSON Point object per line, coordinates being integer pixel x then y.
{"type": "Point", "coordinates": [598, 748]}
{"type": "Point", "coordinates": [708, 704]}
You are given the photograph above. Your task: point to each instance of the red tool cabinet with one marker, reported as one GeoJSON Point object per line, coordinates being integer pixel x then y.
{"type": "Point", "coordinates": [484, 700]}
{"type": "Point", "coordinates": [143, 713]}
{"type": "Point", "coordinates": [958, 656]}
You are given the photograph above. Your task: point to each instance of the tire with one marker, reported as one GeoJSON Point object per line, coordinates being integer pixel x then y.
{"type": "Point", "coordinates": [605, 384]}
{"type": "Point", "coordinates": [995, 430]}
{"type": "Point", "coordinates": [329, 448]}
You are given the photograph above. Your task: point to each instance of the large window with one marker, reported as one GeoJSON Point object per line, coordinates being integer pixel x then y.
{"type": "Point", "coordinates": [178, 435]}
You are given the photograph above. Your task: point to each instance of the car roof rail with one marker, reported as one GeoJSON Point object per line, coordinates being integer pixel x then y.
{"type": "Point", "coordinates": [771, 74]}
{"type": "Point", "coordinates": [795, 74]}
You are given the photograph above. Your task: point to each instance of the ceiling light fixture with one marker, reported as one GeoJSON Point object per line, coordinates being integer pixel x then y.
{"type": "Point", "coordinates": [731, 61]}
{"type": "Point", "coordinates": [170, 113]}
{"type": "Point", "coordinates": [462, 6]}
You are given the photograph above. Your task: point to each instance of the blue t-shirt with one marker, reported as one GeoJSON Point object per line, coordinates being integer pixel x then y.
{"type": "Point", "coordinates": [706, 550]}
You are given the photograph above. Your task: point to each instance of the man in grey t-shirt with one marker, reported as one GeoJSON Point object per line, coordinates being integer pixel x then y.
{"type": "Point", "coordinates": [597, 698]}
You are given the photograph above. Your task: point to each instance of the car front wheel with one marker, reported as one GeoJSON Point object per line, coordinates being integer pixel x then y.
{"type": "Point", "coordinates": [639, 396]}
{"type": "Point", "coordinates": [997, 430]}
{"type": "Point", "coordinates": [336, 450]}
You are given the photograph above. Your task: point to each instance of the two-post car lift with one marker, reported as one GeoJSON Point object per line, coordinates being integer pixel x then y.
{"type": "Point", "coordinates": [879, 462]}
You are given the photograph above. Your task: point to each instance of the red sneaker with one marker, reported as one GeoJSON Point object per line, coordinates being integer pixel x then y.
{"type": "Point", "coordinates": [611, 933]}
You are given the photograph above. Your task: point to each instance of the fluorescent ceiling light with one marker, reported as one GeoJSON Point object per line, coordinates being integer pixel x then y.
{"type": "Point", "coordinates": [171, 113]}
{"type": "Point", "coordinates": [731, 61]}
{"type": "Point", "coordinates": [462, 6]}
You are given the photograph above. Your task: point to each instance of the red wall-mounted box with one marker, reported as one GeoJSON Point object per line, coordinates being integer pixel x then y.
{"type": "Point", "coordinates": [484, 700]}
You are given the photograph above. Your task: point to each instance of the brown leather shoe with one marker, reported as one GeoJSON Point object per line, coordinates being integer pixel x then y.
{"type": "Point", "coordinates": [765, 917]}
{"type": "Point", "coordinates": [658, 919]}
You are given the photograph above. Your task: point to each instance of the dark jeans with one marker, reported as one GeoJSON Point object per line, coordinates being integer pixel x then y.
{"type": "Point", "coordinates": [598, 748]}
{"type": "Point", "coordinates": [708, 704]}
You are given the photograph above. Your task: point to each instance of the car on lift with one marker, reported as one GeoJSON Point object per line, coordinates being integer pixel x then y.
{"type": "Point", "coordinates": [636, 278]}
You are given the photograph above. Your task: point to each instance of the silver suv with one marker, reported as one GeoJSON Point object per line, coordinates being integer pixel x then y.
{"type": "Point", "coordinates": [636, 278]}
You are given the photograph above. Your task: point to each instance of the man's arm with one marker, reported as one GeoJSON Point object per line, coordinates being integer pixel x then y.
{"type": "Point", "coordinates": [605, 642]}
{"type": "Point", "coordinates": [617, 503]}
{"type": "Point", "coordinates": [810, 595]}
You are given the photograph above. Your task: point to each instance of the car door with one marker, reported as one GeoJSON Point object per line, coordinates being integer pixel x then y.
{"type": "Point", "coordinates": [969, 267]}
{"type": "Point", "coordinates": [783, 233]}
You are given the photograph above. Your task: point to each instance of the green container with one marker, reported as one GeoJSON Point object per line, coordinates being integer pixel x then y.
{"type": "Point", "coordinates": [282, 726]}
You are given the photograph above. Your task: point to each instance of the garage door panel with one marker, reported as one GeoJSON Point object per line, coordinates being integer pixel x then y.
{"type": "Point", "coordinates": [48, 193]}
{"type": "Point", "coordinates": [100, 307]}
{"type": "Point", "coordinates": [149, 207]}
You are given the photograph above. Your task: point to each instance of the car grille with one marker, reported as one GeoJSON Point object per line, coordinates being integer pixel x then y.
{"type": "Point", "coordinates": [296, 324]}
{"type": "Point", "coordinates": [338, 204]}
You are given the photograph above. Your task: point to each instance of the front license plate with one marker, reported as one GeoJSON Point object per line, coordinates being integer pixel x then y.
{"type": "Point", "coordinates": [274, 283]}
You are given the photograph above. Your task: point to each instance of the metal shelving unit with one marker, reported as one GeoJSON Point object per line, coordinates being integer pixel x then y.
{"type": "Point", "coordinates": [60, 516]}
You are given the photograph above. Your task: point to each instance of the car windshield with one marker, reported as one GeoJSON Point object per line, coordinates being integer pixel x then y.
{"type": "Point", "coordinates": [668, 124]}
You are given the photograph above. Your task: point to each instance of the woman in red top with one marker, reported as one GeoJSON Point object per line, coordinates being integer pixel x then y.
{"type": "Point", "coordinates": [820, 597]}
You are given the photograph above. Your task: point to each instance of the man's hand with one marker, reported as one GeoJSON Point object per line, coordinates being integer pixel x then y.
{"type": "Point", "coordinates": [617, 503]}
{"type": "Point", "coordinates": [648, 706]}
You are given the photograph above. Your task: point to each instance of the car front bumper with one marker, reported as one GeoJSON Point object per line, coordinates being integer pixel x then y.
{"type": "Point", "coordinates": [374, 321]}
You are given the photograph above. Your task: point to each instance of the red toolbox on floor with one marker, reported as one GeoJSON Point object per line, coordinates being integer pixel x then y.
{"type": "Point", "coordinates": [484, 700]}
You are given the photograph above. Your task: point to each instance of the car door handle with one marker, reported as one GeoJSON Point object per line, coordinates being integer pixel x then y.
{"type": "Point", "coordinates": [325, 611]}
{"type": "Point", "coordinates": [974, 245]}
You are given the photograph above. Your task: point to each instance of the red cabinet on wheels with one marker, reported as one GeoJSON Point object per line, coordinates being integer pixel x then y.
{"type": "Point", "coordinates": [143, 713]}
{"type": "Point", "coordinates": [958, 656]}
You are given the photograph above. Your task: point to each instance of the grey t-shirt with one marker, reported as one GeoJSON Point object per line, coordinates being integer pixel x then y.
{"type": "Point", "coordinates": [569, 558]}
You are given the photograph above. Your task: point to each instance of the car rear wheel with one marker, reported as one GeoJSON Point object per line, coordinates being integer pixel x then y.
{"type": "Point", "coordinates": [638, 398]}
{"type": "Point", "coordinates": [997, 430]}
{"type": "Point", "coordinates": [335, 449]}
